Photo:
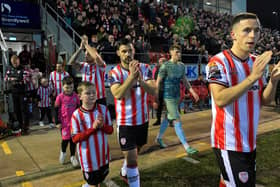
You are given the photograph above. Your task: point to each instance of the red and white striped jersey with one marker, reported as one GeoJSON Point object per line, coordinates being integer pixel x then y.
{"type": "Point", "coordinates": [44, 94]}
{"type": "Point", "coordinates": [234, 126]}
{"type": "Point", "coordinates": [133, 108]}
{"type": "Point", "coordinates": [94, 152]}
{"type": "Point", "coordinates": [56, 81]}
{"type": "Point", "coordinates": [94, 74]}
{"type": "Point", "coordinates": [27, 78]}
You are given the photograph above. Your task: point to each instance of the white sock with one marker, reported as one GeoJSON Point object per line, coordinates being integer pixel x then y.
{"type": "Point", "coordinates": [133, 177]}
{"type": "Point", "coordinates": [124, 168]}
{"type": "Point", "coordinates": [186, 146]}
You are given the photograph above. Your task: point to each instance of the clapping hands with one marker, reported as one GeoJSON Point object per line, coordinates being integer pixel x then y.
{"type": "Point", "coordinates": [98, 122]}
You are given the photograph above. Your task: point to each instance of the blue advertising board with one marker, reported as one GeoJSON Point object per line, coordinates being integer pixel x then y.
{"type": "Point", "coordinates": [192, 71]}
{"type": "Point", "coordinates": [20, 15]}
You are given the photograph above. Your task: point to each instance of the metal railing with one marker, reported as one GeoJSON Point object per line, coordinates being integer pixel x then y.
{"type": "Point", "coordinates": [65, 36]}
{"type": "Point", "coordinates": [153, 57]}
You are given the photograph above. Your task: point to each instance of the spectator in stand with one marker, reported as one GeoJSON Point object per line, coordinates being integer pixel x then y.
{"type": "Point", "coordinates": [186, 51]}
{"type": "Point", "coordinates": [142, 48]}
{"type": "Point", "coordinates": [61, 8]}
{"type": "Point", "coordinates": [154, 17]}
{"type": "Point", "coordinates": [165, 39]}
{"type": "Point", "coordinates": [25, 56]}
{"type": "Point", "coordinates": [79, 24]}
{"type": "Point", "coordinates": [128, 26]}
{"type": "Point", "coordinates": [116, 33]}
{"type": "Point", "coordinates": [70, 15]}
{"type": "Point", "coordinates": [94, 42]}
{"type": "Point", "coordinates": [194, 50]}
{"type": "Point", "coordinates": [93, 69]}
{"type": "Point", "coordinates": [152, 11]}
{"type": "Point", "coordinates": [102, 36]}
{"type": "Point", "coordinates": [92, 26]}
{"type": "Point", "coordinates": [171, 21]}
{"type": "Point", "coordinates": [96, 10]}
{"type": "Point", "coordinates": [110, 50]}
{"type": "Point", "coordinates": [145, 9]}
{"type": "Point", "coordinates": [57, 76]}
{"type": "Point", "coordinates": [133, 9]}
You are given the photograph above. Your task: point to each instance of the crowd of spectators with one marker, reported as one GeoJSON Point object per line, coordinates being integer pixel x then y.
{"type": "Point", "coordinates": [149, 25]}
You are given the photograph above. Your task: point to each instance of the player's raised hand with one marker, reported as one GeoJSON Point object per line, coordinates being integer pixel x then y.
{"type": "Point", "coordinates": [134, 68]}
{"type": "Point", "coordinates": [100, 119]}
{"type": "Point", "coordinates": [82, 44]}
{"type": "Point", "coordinates": [275, 73]}
{"type": "Point", "coordinates": [85, 39]}
{"type": "Point", "coordinates": [260, 63]}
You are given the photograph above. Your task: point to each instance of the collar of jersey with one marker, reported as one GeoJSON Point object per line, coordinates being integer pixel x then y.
{"type": "Point", "coordinates": [124, 68]}
{"type": "Point", "coordinates": [90, 110]}
{"type": "Point", "coordinates": [236, 57]}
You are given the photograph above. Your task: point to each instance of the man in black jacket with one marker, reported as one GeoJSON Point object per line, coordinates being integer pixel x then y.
{"type": "Point", "coordinates": [15, 86]}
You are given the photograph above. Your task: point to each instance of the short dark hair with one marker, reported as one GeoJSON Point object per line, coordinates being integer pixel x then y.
{"type": "Point", "coordinates": [175, 46]}
{"type": "Point", "coordinates": [245, 15]}
{"type": "Point", "coordinates": [67, 80]}
{"type": "Point", "coordinates": [123, 41]}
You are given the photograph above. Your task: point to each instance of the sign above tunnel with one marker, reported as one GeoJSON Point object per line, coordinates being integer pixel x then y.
{"type": "Point", "coordinates": [21, 15]}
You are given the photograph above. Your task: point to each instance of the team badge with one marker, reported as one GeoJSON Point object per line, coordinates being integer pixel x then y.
{"type": "Point", "coordinates": [243, 176]}
{"type": "Point", "coordinates": [123, 141]}
{"type": "Point", "coordinates": [111, 79]}
{"type": "Point", "coordinates": [214, 72]}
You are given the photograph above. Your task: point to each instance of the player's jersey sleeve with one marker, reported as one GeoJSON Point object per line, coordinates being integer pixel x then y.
{"type": "Point", "coordinates": [216, 73]}
{"type": "Point", "coordinates": [114, 77]}
{"type": "Point", "coordinates": [102, 67]}
{"type": "Point", "coordinates": [108, 120]}
{"type": "Point", "coordinates": [75, 123]}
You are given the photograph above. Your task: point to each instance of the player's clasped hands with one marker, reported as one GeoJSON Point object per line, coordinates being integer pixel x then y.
{"type": "Point", "coordinates": [260, 64]}
{"type": "Point", "coordinates": [98, 123]}
{"type": "Point", "coordinates": [134, 68]}
{"type": "Point", "coordinates": [275, 73]}
{"type": "Point", "coordinates": [83, 41]}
